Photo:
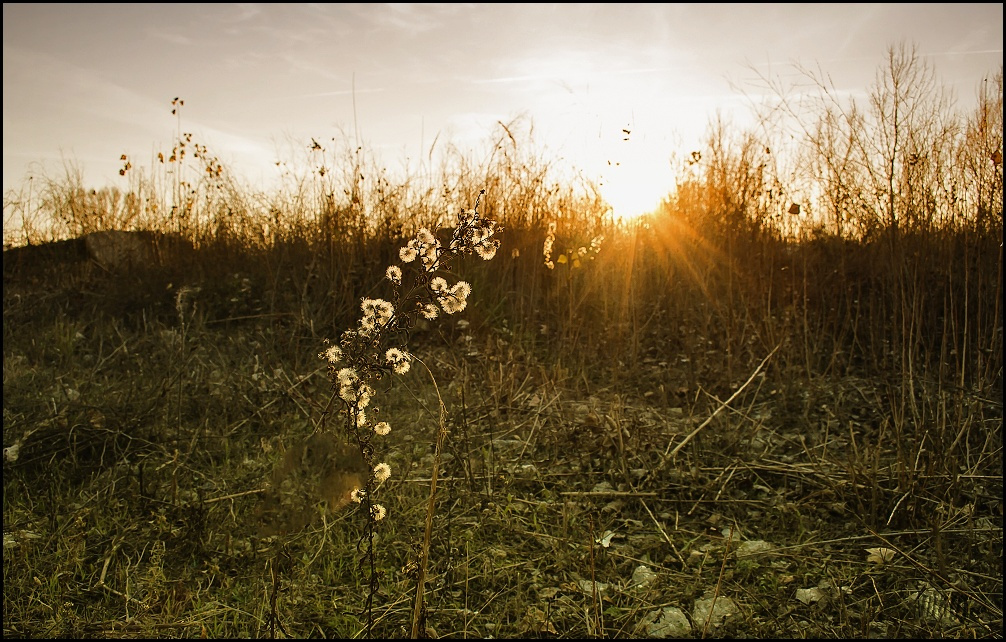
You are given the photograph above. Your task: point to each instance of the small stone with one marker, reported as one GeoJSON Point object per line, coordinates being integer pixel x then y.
{"type": "Point", "coordinates": [714, 610]}
{"type": "Point", "coordinates": [669, 622]}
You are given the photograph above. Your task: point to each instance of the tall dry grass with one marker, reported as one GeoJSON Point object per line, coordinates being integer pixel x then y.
{"type": "Point", "coordinates": [875, 245]}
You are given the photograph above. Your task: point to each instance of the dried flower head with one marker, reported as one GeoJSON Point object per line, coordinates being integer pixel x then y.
{"type": "Point", "coordinates": [487, 250]}
{"type": "Point", "coordinates": [382, 472]}
{"type": "Point", "coordinates": [394, 274]}
{"type": "Point", "coordinates": [378, 512]}
{"type": "Point", "coordinates": [408, 253]}
{"type": "Point", "coordinates": [438, 284]}
{"type": "Point", "coordinates": [425, 236]}
{"type": "Point", "coordinates": [456, 298]}
{"type": "Point", "coordinates": [332, 354]}
{"type": "Point", "coordinates": [347, 376]}
{"type": "Point", "coordinates": [382, 428]}
{"type": "Point", "coordinates": [429, 311]}
{"type": "Point", "coordinates": [399, 360]}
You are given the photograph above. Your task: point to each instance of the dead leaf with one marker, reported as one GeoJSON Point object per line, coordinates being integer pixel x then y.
{"type": "Point", "coordinates": [810, 596]}
{"type": "Point", "coordinates": [534, 621]}
{"type": "Point", "coordinates": [880, 555]}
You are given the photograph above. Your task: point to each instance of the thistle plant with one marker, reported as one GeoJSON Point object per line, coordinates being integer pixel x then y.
{"type": "Point", "coordinates": [377, 348]}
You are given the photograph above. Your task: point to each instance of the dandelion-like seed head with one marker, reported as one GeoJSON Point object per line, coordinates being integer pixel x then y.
{"type": "Point", "coordinates": [438, 284]}
{"type": "Point", "coordinates": [461, 289]}
{"type": "Point", "coordinates": [487, 250]}
{"type": "Point", "coordinates": [425, 236]}
{"type": "Point", "coordinates": [347, 394]}
{"type": "Point", "coordinates": [382, 428]}
{"type": "Point", "coordinates": [357, 495]}
{"type": "Point", "coordinates": [356, 393]}
{"type": "Point", "coordinates": [378, 512]}
{"type": "Point", "coordinates": [399, 360]}
{"type": "Point", "coordinates": [546, 248]}
{"type": "Point", "coordinates": [408, 253]}
{"type": "Point", "coordinates": [455, 299]}
{"type": "Point", "coordinates": [382, 472]}
{"type": "Point", "coordinates": [453, 305]}
{"type": "Point", "coordinates": [332, 354]}
{"type": "Point", "coordinates": [376, 313]}
{"type": "Point", "coordinates": [347, 376]}
{"type": "Point", "coordinates": [361, 418]}
{"type": "Point", "coordinates": [429, 311]}
{"type": "Point", "coordinates": [367, 325]}
{"type": "Point", "coordinates": [385, 310]}
{"type": "Point", "coordinates": [394, 274]}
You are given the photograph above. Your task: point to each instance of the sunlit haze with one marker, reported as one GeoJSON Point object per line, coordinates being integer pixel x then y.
{"type": "Point", "coordinates": [616, 90]}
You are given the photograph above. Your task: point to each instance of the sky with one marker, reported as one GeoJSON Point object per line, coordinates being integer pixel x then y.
{"type": "Point", "coordinates": [88, 82]}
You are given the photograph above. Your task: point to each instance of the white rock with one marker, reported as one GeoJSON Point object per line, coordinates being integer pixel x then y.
{"type": "Point", "coordinates": [753, 547]}
{"type": "Point", "coordinates": [669, 622]}
{"type": "Point", "coordinates": [642, 577]}
{"type": "Point", "coordinates": [716, 611]}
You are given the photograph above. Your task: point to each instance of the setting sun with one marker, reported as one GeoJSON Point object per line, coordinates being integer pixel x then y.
{"type": "Point", "coordinates": [635, 185]}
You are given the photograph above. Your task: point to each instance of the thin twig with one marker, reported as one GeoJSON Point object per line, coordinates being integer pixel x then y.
{"type": "Point", "coordinates": [608, 493]}
{"type": "Point", "coordinates": [674, 453]}
{"type": "Point", "coordinates": [664, 534]}
{"type": "Point", "coordinates": [233, 496]}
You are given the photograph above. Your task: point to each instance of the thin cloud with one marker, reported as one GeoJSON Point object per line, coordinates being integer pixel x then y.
{"type": "Point", "coordinates": [410, 18]}
{"type": "Point", "coordinates": [172, 38]}
{"type": "Point", "coordinates": [509, 79]}
{"type": "Point", "coordinates": [976, 52]}
{"type": "Point", "coordinates": [590, 74]}
{"type": "Point", "coordinates": [246, 11]}
{"type": "Point", "coordinates": [341, 92]}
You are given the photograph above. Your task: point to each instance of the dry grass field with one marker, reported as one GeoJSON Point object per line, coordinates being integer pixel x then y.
{"type": "Point", "coordinates": [730, 418]}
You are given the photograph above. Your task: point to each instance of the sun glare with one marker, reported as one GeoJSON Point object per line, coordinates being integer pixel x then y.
{"type": "Point", "coordinates": [631, 161]}
{"type": "Point", "coordinates": [635, 185]}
